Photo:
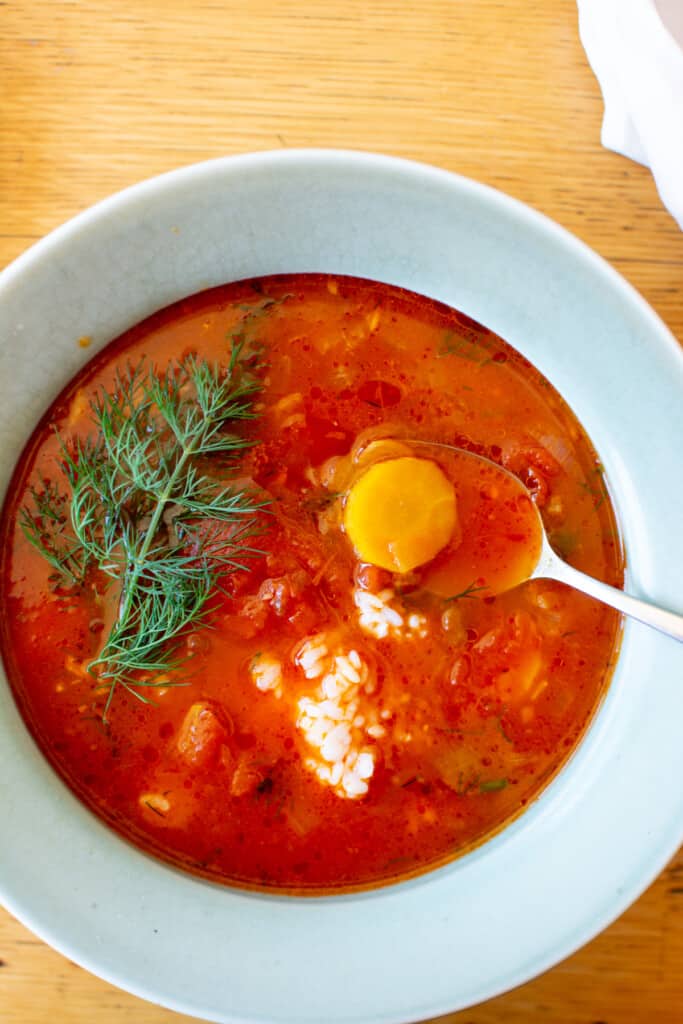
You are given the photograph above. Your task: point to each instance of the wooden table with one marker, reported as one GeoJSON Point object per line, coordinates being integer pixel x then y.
{"type": "Point", "coordinates": [97, 94]}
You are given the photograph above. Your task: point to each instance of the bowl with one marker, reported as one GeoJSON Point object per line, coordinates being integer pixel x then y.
{"type": "Point", "coordinates": [612, 817]}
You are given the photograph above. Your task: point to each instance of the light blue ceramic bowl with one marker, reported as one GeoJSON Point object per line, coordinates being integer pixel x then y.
{"type": "Point", "coordinates": [608, 823]}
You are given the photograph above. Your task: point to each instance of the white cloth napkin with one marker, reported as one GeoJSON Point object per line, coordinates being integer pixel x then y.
{"type": "Point", "coordinates": [639, 64]}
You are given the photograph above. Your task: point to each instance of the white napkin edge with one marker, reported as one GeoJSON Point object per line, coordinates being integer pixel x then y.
{"type": "Point", "coordinates": [639, 67]}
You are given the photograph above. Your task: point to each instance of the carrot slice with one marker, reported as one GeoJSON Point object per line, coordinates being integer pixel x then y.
{"type": "Point", "coordinates": [400, 513]}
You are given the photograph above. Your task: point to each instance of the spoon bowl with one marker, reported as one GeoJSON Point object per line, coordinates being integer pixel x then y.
{"type": "Point", "coordinates": [538, 559]}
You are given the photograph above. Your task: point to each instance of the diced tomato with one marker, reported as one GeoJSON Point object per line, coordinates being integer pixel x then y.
{"type": "Point", "coordinates": [536, 484]}
{"type": "Point", "coordinates": [282, 591]}
{"type": "Point", "coordinates": [255, 610]}
{"type": "Point", "coordinates": [509, 656]}
{"type": "Point", "coordinates": [304, 618]}
{"type": "Point", "coordinates": [248, 619]}
{"type": "Point", "coordinates": [250, 773]}
{"type": "Point", "coordinates": [533, 464]}
{"type": "Point", "coordinates": [371, 577]}
{"type": "Point", "coordinates": [201, 733]}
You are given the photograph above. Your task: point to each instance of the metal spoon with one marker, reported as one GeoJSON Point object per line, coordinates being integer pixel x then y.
{"type": "Point", "coordinates": [551, 566]}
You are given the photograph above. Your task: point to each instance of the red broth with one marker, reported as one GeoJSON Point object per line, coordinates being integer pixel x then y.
{"type": "Point", "coordinates": [343, 726]}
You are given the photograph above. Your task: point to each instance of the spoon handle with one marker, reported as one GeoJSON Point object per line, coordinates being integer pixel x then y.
{"type": "Point", "coordinates": [665, 621]}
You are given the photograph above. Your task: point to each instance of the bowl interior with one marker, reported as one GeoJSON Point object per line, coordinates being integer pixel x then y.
{"type": "Point", "coordinates": [548, 882]}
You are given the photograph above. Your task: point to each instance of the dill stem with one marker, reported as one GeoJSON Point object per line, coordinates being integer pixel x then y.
{"type": "Point", "coordinates": [140, 558]}
{"type": "Point", "coordinates": [152, 431]}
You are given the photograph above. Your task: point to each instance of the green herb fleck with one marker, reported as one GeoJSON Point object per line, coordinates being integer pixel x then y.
{"type": "Point", "coordinates": [453, 344]}
{"type": "Point", "coordinates": [492, 785]}
{"type": "Point", "coordinates": [155, 810]}
{"type": "Point", "coordinates": [501, 727]}
{"type": "Point", "coordinates": [565, 542]}
{"type": "Point", "coordinates": [395, 862]}
{"type": "Point", "coordinates": [595, 486]}
{"type": "Point", "coordinates": [319, 501]}
{"type": "Point", "coordinates": [472, 591]}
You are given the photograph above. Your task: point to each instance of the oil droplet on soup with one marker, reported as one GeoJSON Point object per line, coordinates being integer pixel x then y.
{"type": "Point", "coordinates": [359, 698]}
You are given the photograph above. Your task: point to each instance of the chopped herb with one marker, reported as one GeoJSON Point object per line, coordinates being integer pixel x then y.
{"type": "Point", "coordinates": [501, 727]}
{"type": "Point", "coordinates": [318, 502]}
{"type": "Point", "coordinates": [395, 861]}
{"type": "Point", "coordinates": [101, 726]}
{"type": "Point", "coordinates": [255, 308]}
{"type": "Point", "coordinates": [453, 344]}
{"type": "Point", "coordinates": [253, 312]}
{"type": "Point", "coordinates": [492, 785]}
{"type": "Point", "coordinates": [596, 489]}
{"type": "Point", "coordinates": [470, 591]}
{"type": "Point", "coordinates": [465, 784]}
{"type": "Point", "coordinates": [565, 542]}
{"type": "Point", "coordinates": [155, 810]}
{"type": "Point", "coordinates": [265, 787]}
{"type": "Point", "coordinates": [460, 732]}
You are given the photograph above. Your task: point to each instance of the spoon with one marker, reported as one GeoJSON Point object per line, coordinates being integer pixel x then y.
{"type": "Point", "coordinates": [549, 565]}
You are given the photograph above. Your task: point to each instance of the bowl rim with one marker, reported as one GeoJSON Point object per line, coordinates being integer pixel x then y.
{"type": "Point", "coordinates": [419, 174]}
{"type": "Point", "coordinates": [328, 156]}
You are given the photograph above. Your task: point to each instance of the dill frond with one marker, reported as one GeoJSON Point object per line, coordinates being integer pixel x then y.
{"type": "Point", "coordinates": [141, 507]}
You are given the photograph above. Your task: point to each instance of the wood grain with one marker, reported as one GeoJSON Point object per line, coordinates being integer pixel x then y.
{"type": "Point", "coordinates": [97, 94]}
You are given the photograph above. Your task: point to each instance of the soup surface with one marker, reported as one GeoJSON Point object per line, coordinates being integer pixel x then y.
{"type": "Point", "coordinates": [350, 693]}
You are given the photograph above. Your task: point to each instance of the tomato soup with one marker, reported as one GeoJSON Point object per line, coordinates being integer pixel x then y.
{"type": "Point", "coordinates": [280, 641]}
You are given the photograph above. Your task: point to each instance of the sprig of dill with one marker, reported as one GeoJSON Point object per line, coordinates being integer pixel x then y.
{"type": "Point", "coordinates": [142, 507]}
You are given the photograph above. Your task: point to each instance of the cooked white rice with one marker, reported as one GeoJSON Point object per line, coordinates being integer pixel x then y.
{"type": "Point", "coordinates": [329, 719]}
{"type": "Point", "coordinates": [379, 615]}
